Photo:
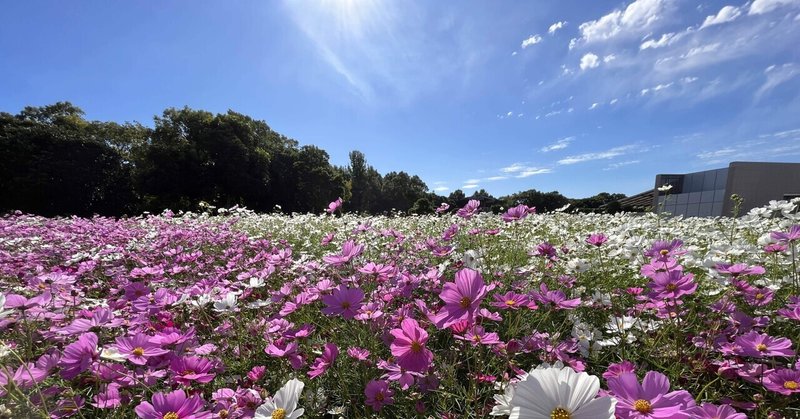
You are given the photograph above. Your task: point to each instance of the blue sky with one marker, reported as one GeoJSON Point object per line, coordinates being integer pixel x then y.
{"type": "Point", "coordinates": [576, 96]}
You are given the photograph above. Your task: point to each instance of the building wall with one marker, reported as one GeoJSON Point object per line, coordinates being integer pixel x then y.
{"type": "Point", "coordinates": [759, 183]}
{"type": "Point", "coordinates": [699, 194]}
{"type": "Point", "coordinates": [708, 193]}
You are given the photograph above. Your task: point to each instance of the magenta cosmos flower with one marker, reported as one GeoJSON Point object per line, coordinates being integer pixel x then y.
{"type": "Point", "coordinates": [469, 210]}
{"type": "Point", "coordinates": [510, 301]}
{"type": "Point", "coordinates": [321, 364]}
{"type": "Point", "coordinates": [515, 213]}
{"type": "Point", "coordinates": [343, 302]}
{"type": "Point", "coordinates": [672, 284]}
{"type": "Point", "coordinates": [192, 368]}
{"type": "Point", "coordinates": [792, 235]}
{"type": "Point", "coordinates": [663, 250]}
{"type": "Point", "coordinates": [79, 356]}
{"type": "Point", "coordinates": [739, 269]}
{"type": "Point", "coordinates": [378, 394]}
{"type": "Point", "coordinates": [138, 349]}
{"type": "Point", "coordinates": [408, 346]}
{"type": "Point", "coordinates": [757, 345]}
{"type": "Point", "coordinates": [783, 381]}
{"type": "Point", "coordinates": [174, 405]}
{"type": "Point", "coordinates": [333, 206]}
{"type": "Point", "coordinates": [712, 411]}
{"type": "Point", "coordinates": [349, 250]}
{"type": "Point", "coordinates": [597, 239]}
{"type": "Point", "coordinates": [462, 298]}
{"type": "Point", "coordinates": [650, 399]}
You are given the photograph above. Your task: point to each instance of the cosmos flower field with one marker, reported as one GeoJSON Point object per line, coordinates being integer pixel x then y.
{"type": "Point", "coordinates": [457, 314]}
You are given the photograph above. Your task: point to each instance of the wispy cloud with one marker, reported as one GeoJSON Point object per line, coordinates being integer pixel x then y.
{"type": "Point", "coordinates": [614, 166]}
{"type": "Point", "coordinates": [765, 6]}
{"type": "Point", "coordinates": [558, 145]}
{"type": "Point", "coordinates": [521, 170]}
{"type": "Point", "coordinates": [589, 60]}
{"type": "Point", "coordinates": [608, 154]}
{"type": "Point", "coordinates": [777, 75]}
{"type": "Point", "coordinates": [776, 145]}
{"type": "Point", "coordinates": [470, 186]}
{"type": "Point", "coordinates": [496, 178]}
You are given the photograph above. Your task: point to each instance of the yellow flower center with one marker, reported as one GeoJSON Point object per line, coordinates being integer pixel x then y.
{"type": "Point", "coordinates": [476, 338]}
{"type": "Point", "coordinates": [170, 415]}
{"type": "Point", "coordinates": [465, 302]}
{"type": "Point", "coordinates": [379, 397]}
{"type": "Point", "coordinates": [278, 413]}
{"type": "Point", "coordinates": [224, 414]}
{"type": "Point", "coordinates": [664, 252]}
{"type": "Point", "coordinates": [510, 302]}
{"type": "Point", "coordinates": [759, 296]}
{"type": "Point", "coordinates": [345, 305]}
{"type": "Point", "coordinates": [761, 347]}
{"type": "Point", "coordinates": [672, 287]}
{"type": "Point", "coordinates": [642, 406]}
{"type": "Point", "coordinates": [138, 351]}
{"type": "Point", "coordinates": [560, 413]}
{"type": "Point", "coordinates": [791, 385]}
{"type": "Point", "coordinates": [416, 347]}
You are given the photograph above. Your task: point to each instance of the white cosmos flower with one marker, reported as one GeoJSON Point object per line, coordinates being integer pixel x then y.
{"type": "Point", "coordinates": [4, 313]}
{"type": "Point", "coordinates": [284, 404]}
{"type": "Point", "coordinates": [226, 304]}
{"type": "Point", "coordinates": [560, 393]}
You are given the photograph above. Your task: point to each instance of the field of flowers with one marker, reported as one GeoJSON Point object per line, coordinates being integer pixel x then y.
{"type": "Point", "coordinates": [454, 315]}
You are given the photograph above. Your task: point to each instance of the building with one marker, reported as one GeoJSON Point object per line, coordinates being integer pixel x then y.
{"type": "Point", "coordinates": [707, 193]}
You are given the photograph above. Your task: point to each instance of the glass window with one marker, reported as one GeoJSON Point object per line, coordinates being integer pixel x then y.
{"type": "Point", "coordinates": [707, 196]}
{"type": "Point", "coordinates": [694, 197]}
{"type": "Point", "coordinates": [693, 210]}
{"type": "Point", "coordinates": [708, 180]}
{"type": "Point", "coordinates": [719, 195]}
{"type": "Point", "coordinates": [722, 177]}
{"type": "Point", "coordinates": [682, 198]}
{"type": "Point", "coordinates": [717, 209]}
{"type": "Point", "coordinates": [705, 209]}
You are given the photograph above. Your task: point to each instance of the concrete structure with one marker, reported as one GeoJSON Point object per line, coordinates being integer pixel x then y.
{"type": "Point", "coordinates": [707, 193]}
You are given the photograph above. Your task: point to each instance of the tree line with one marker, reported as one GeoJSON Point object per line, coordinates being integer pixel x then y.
{"type": "Point", "coordinates": [55, 162]}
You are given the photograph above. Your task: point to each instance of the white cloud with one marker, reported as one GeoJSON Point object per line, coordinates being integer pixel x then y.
{"type": "Point", "coordinates": [589, 60]}
{"type": "Point", "coordinates": [553, 113]}
{"type": "Point", "coordinates": [613, 101]}
{"type": "Point", "coordinates": [515, 167]}
{"type": "Point", "coordinates": [656, 88]}
{"type": "Point", "coordinates": [636, 17]}
{"type": "Point", "coordinates": [726, 14]}
{"type": "Point", "coordinates": [609, 58]}
{"type": "Point", "coordinates": [608, 154]}
{"type": "Point", "coordinates": [441, 189]}
{"type": "Point", "coordinates": [514, 53]}
{"type": "Point", "coordinates": [594, 106]}
{"type": "Point", "coordinates": [617, 165]}
{"type": "Point", "coordinates": [494, 178]}
{"type": "Point", "coordinates": [532, 171]}
{"type": "Point", "coordinates": [703, 49]}
{"type": "Point", "coordinates": [470, 186]}
{"type": "Point", "coordinates": [532, 40]}
{"type": "Point", "coordinates": [665, 40]}
{"type": "Point", "coordinates": [777, 75]}
{"type": "Point", "coordinates": [556, 26]}
{"type": "Point", "coordinates": [707, 155]}
{"type": "Point", "coordinates": [558, 145]}
{"type": "Point", "coordinates": [764, 6]}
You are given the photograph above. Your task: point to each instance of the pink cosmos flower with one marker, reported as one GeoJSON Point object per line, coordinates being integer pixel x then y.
{"type": "Point", "coordinates": [343, 302]}
{"type": "Point", "coordinates": [174, 405]}
{"type": "Point", "coordinates": [739, 269]}
{"type": "Point", "coordinates": [109, 398]}
{"type": "Point", "coordinates": [712, 411]}
{"type": "Point", "coordinates": [138, 349]}
{"type": "Point", "coordinates": [477, 336]}
{"type": "Point", "coordinates": [442, 208]}
{"type": "Point", "coordinates": [792, 235]}
{"type": "Point", "coordinates": [321, 364]}
{"type": "Point", "coordinates": [672, 284]}
{"type": "Point", "coordinates": [286, 350]}
{"type": "Point", "coordinates": [462, 298]}
{"type": "Point", "coordinates": [663, 250]}
{"type": "Point", "coordinates": [650, 399]}
{"type": "Point", "coordinates": [757, 345]}
{"type": "Point", "coordinates": [333, 206]}
{"type": "Point", "coordinates": [191, 368]}
{"type": "Point", "coordinates": [510, 301]}
{"type": "Point", "coordinates": [597, 239]}
{"type": "Point", "coordinates": [615, 370]}
{"type": "Point", "coordinates": [409, 348]}
{"type": "Point", "coordinates": [79, 356]}
{"type": "Point", "coordinates": [470, 209]}
{"type": "Point", "coordinates": [360, 354]}
{"type": "Point", "coordinates": [556, 298]}
{"type": "Point", "coordinates": [515, 213]}
{"type": "Point", "coordinates": [378, 394]}
{"type": "Point", "coordinates": [783, 381]}
{"type": "Point", "coordinates": [349, 251]}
